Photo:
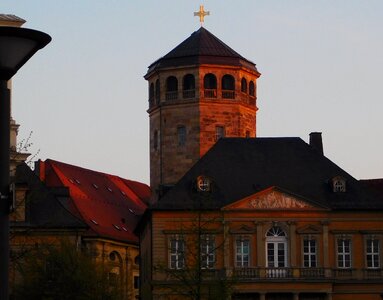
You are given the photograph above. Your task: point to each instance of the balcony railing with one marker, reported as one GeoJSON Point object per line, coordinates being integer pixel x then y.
{"type": "Point", "coordinates": [210, 93]}
{"type": "Point", "coordinates": [373, 273]}
{"type": "Point", "coordinates": [173, 95]}
{"type": "Point", "coordinates": [188, 94]}
{"type": "Point", "coordinates": [228, 94]}
{"type": "Point", "coordinates": [306, 273]}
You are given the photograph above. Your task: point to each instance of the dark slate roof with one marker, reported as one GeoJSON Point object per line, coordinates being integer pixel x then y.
{"type": "Point", "coordinates": [202, 47]}
{"type": "Point", "coordinates": [111, 206]}
{"type": "Point", "coordinates": [45, 207]}
{"type": "Point", "coordinates": [240, 167]}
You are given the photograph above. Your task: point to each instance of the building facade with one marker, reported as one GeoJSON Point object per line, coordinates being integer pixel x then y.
{"type": "Point", "coordinates": [244, 217]}
{"type": "Point", "coordinates": [94, 212]}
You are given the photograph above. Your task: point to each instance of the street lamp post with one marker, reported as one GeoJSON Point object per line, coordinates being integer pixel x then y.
{"type": "Point", "coordinates": [17, 46]}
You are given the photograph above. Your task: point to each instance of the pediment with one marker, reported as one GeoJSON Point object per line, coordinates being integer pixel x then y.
{"type": "Point", "coordinates": [309, 229]}
{"type": "Point", "coordinates": [272, 199]}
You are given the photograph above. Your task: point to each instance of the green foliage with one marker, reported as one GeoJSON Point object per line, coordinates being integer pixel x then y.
{"type": "Point", "coordinates": [60, 271]}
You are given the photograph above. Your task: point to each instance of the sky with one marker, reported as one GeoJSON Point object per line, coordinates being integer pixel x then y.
{"type": "Point", "coordinates": [85, 99]}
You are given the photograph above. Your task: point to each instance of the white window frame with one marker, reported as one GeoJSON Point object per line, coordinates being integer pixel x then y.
{"type": "Point", "coordinates": [344, 252]}
{"type": "Point", "coordinates": [242, 257]}
{"type": "Point", "coordinates": [310, 252]}
{"type": "Point", "coordinates": [207, 251]}
{"type": "Point", "coordinates": [372, 253]}
{"type": "Point", "coordinates": [176, 253]}
{"type": "Point", "coordinates": [277, 239]}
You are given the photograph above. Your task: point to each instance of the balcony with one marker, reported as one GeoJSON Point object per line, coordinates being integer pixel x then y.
{"type": "Point", "coordinates": [254, 274]}
{"type": "Point", "coordinates": [228, 94]}
{"type": "Point", "coordinates": [173, 95]}
{"type": "Point", "coordinates": [373, 273]}
{"type": "Point", "coordinates": [210, 93]}
{"type": "Point", "coordinates": [187, 94]}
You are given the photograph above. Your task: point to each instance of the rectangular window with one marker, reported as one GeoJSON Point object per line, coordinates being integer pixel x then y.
{"type": "Point", "coordinates": [309, 253]}
{"type": "Point", "coordinates": [219, 132]}
{"type": "Point", "coordinates": [181, 132]}
{"type": "Point", "coordinates": [372, 253]}
{"type": "Point", "coordinates": [176, 253]}
{"type": "Point", "coordinates": [136, 283]}
{"type": "Point", "coordinates": [344, 253]}
{"type": "Point", "coordinates": [207, 251]}
{"type": "Point", "coordinates": [242, 253]}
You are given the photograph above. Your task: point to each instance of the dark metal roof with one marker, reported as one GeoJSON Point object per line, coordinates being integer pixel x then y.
{"type": "Point", "coordinates": [202, 47]}
{"type": "Point", "coordinates": [240, 167]}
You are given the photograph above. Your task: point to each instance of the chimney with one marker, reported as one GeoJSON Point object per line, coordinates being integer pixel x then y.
{"type": "Point", "coordinates": [316, 141]}
{"type": "Point", "coordinates": [40, 169]}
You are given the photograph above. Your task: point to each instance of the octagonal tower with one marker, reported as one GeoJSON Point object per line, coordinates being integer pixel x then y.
{"type": "Point", "coordinates": [200, 91]}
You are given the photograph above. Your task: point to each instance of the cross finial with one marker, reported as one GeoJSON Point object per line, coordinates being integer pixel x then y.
{"type": "Point", "coordinates": [201, 14]}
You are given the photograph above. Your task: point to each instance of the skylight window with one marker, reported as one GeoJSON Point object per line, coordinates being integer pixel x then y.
{"type": "Point", "coordinates": [117, 227]}
{"type": "Point", "coordinates": [132, 211]}
{"type": "Point", "coordinates": [77, 181]}
{"type": "Point", "coordinates": [124, 228]}
{"type": "Point", "coordinates": [94, 222]}
{"type": "Point", "coordinates": [122, 192]}
{"type": "Point", "coordinates": [109, 189]}
{"type": "Point", "coordinates": [71, 180]}
{"type": "Point", "coordinates": [95, 186]}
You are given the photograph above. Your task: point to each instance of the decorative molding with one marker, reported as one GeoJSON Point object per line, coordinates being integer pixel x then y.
{"type": "Point", "coordinates": [275, 200]}
{"type": "Point", "coordinates": [309, 229]}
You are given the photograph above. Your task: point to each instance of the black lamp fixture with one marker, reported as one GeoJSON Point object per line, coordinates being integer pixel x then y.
{"type": "Point", "coordinates": [17, 46]}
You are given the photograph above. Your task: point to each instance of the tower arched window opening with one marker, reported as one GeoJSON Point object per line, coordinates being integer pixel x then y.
{"type": "Point", "coordinates": [158, 91]}
{"type": "Point", "coordinates": [251, 89]}
{"type": "Point", "coordinates": [171, 88]}
{"type": "Point", "coordinates": [188, 86]}
{"type": "Point", "coordinates": [210, 86]}
{"type": "Point", "coordinates": [228, 87]}
{"type": "Point", "coordinates": [151, 94]}
{"type": "Point", "coordinates": [243, 85]}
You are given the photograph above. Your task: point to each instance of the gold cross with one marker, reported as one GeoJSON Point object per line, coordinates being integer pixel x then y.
{"type": "Point", "coordinates": [201, 14]}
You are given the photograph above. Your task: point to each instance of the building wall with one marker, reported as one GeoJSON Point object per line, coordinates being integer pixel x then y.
{"type": "Point", "coordinates": [323, 226]}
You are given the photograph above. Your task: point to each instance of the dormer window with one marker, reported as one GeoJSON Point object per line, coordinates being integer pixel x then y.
{"type": "Point", "coordinates": [203, 184]}
{"type": "Point", "coordinates": [339, 184]}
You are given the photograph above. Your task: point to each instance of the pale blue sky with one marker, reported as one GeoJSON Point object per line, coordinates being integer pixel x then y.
{"type": "Point", "coordinates": [85, 98]}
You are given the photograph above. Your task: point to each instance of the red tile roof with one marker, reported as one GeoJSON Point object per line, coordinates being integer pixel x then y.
{"type": "Point", "coordinates": [110, 205]}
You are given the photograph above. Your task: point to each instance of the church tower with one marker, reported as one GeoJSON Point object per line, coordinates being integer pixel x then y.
{"type": "Point", "coordinates": [200, 91]}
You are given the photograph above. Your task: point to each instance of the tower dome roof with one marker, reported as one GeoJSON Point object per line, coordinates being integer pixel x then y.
{"type": "Point", "coordinates": [202, 47]}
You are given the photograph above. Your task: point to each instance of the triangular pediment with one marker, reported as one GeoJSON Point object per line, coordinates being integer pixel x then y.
{"type": "Point", "coordinates": [272, 199]}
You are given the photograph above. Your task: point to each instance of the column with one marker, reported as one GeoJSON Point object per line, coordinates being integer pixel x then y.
{"type": "Point", "coordinates": [326, 261]}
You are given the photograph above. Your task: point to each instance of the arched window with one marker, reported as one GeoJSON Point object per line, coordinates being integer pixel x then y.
{"type": "Point", "coordinates": [171, 88]}
{"type": "Point", "coordinates": [210, 86]}
{"type": "Point", "coordinates": [276, 252]}
{"type": "Point", "coordinates": [243, 85]}
{"type": "Point", "coordinates": [158, 92]}
{"type": "Point", "coordinates": [115, 265]}
{"type": "Point", "coordinates": [188, 86]}
{"type": "Point", "coordinates": [228, 86]}
{"type": "Point", "coordinates": [251, 89]}
{"type": "Point", "coordinates": [151, 94]}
